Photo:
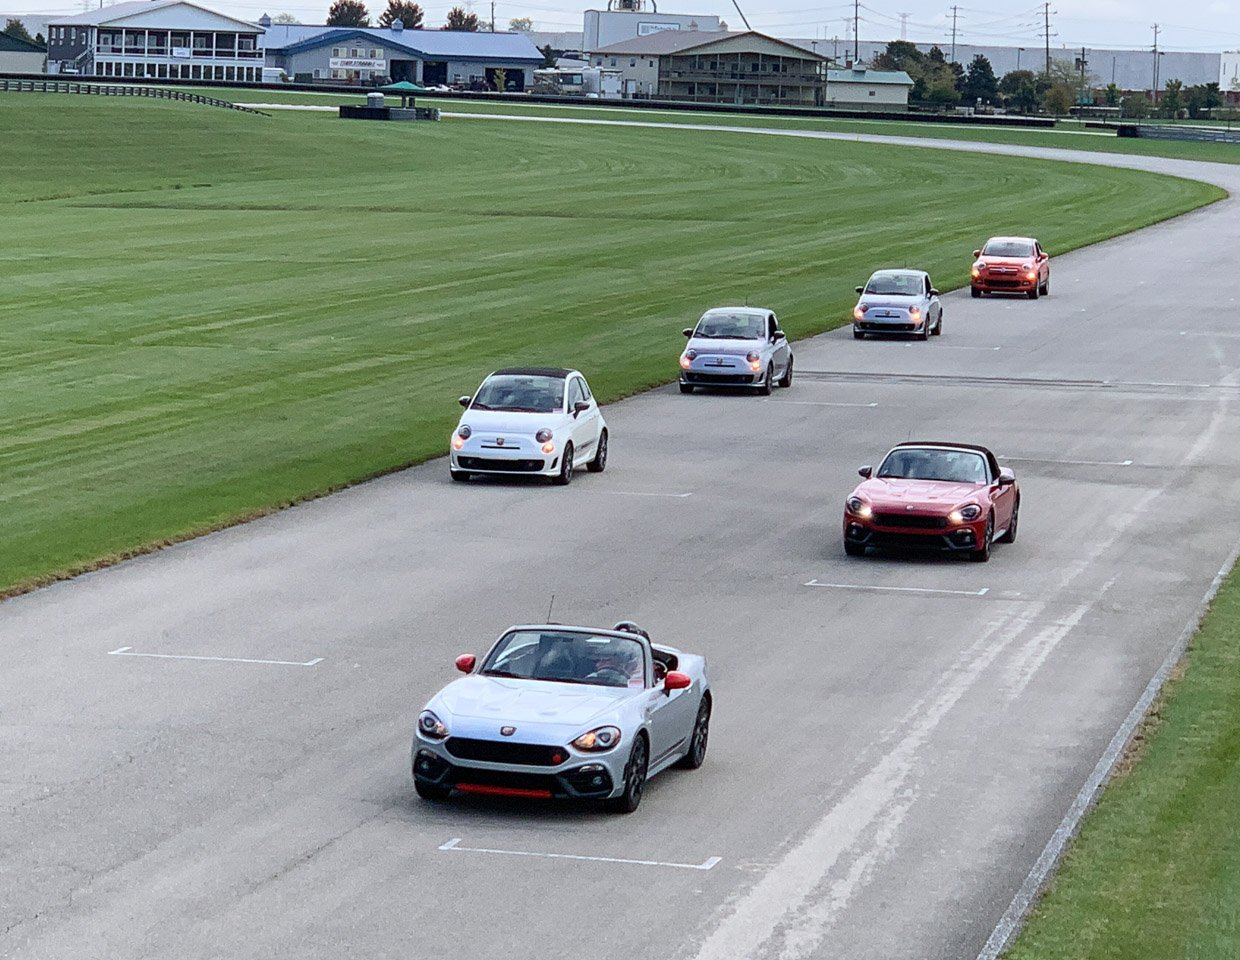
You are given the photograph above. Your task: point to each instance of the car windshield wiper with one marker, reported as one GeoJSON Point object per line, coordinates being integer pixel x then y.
{"type": "Point", "coordinates": [525, 410]}
{"type": "Point", "coordinates": [503, 673]}
{"type": "Point", "coordinates": [479, 406]}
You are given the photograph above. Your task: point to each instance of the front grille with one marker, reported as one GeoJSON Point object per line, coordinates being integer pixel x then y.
{"type": "Point", "coordinates": [887, 327]}
{"type": "Point", "coordinates": [502, 778]}
{"type": "Point", "coordinates": [909, 521]}
{"type": "Point", "coordinates": [499, 751]}
{"type": "Point", "coordinates": [696, 377]}
{"type": "Point", "coordinates": [495, 463]}
{"type": "Point", "coordinates": [991, 282]}
{"type": "Point", "coordinates": [910, 541]}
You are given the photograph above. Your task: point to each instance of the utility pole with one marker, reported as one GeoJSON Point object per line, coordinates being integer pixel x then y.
{"type": "Point", "coordinates": [955, 11]}
{"type": "Point", "coordinates": [904, 25]}
{"type": "Point", "coordinates": [1154, 91]}
{"type": "Point", "coordinates": [1046, 31]}
{"type": "Point", "coordinates": [492, 16]}
{"type": "Point", "coordinates": [856, 30]}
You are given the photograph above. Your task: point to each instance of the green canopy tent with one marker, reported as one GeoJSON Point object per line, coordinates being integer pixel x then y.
{"type": "Point", "coordinates": [406, 91]}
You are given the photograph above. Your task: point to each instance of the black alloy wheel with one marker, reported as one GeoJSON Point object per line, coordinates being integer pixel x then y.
{"type": "Point", "coordinates": [599, 463]}
{"type": "Point", "coordinates": [983, 554]}
{"type": "Point", "coordinates": [786, 380]}
{"type": "Point", "coordinates": [938, 327]}
{"type": "Point", "coordinates": [634, 780]}
{"type": "Point", "coordinates": [765, 389]}
{"type": "Point", "coordinates": [698, 739]}
{"type": "Point", "coordinates": [431, 791]}
{"type": "Point", "coordinates": [1009, 535]}
{"type": "Point", "coordinates": [565, 476]}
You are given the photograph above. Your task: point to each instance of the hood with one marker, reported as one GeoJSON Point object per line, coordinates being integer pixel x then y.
{"type": "Point", "coordinates": [502, 421]}
{"type": "Point", "coordinates": [992, 261]}
{"type": "Point", "coordinates": [931, 496]}
{"type": "Point", "coordinates": [900, 301]}
{"type": "Point", "coordinates": [725, 348]}
{"type": "Point", "coordinates": [527, 704]}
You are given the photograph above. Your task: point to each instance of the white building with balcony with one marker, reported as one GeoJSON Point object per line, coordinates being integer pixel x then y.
{"type": "Point", "coordinates": [158, 39]}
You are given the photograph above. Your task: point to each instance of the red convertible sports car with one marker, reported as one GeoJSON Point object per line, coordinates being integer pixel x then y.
{"type": "Point", "coordinates": [952, 497]}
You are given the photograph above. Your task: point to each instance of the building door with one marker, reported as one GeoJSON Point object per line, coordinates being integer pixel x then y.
{"type": "Point", "coordinates": [400, 70]}
{"type": "Point", "coordinates": [434, 71]}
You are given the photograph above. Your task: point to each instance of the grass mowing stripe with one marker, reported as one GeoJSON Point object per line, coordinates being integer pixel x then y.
{"type": "Point", "coordinates": [1155, 870]}
{"type": "Point", "coordinates": [270, 308]}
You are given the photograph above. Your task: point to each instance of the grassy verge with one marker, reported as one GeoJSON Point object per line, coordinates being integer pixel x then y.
{"type": "Point", "coordinates": [1155, 871]}
{"type": "Point", "coordinates": [208, 314]}
{"type": "Point", "coordinates": [1067, 135]}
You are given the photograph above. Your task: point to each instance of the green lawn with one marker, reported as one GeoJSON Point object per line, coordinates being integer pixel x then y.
{"type": "Point", "coordinates": [1067, 134]}
{"type": "Point", "coordinates": [208, 314]}
{"type": "Point", "coordinates": [1155, 871]}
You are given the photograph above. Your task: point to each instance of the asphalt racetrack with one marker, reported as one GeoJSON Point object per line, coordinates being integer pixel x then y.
{"type": "Point", "coordinates": [205, 751]}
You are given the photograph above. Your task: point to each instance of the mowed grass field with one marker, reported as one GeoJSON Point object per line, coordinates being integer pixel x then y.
{"type": "Point", "coordinates": [208, 314]}
{"type": "Point", "coordinates": [1155, 872]}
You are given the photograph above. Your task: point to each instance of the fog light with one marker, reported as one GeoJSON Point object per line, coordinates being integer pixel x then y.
{"type": "Point", "coordinates": [548, 448]}
{"type": "Point", "coordinates": [458, 442]}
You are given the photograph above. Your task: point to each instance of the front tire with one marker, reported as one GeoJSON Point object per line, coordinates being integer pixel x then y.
{"type": "Point", "coordinates": [925, 330]}
{"type": "Point", "coordinates": [431, 791]}
{"type": "Point", "coordinates": [634, 780]}
{"type": "Point", "coordinates": [599, 463]}
{"type": "Point", "coordinates": [975, 293]}
{"type": "Point", "coordinates": [1009, 535]}
{"type": "Point", "coordinates": [686, 388]}
{"type": "Point", "coordinates": [565, 476]}
{"type": "Point", "coordinates": [938, 327]}
{"type": "Point", "coordinates": [1033, 294]}
{"type": "Point", "coordinates": [1046, 287]}
{"type": "Point", "coordinates": [857, 334]}
{"type": "Point", "coordinates": [460, 476]}
{"type": "Point", "coordinates": [854, 549]}
{"type": "Point", "coordinates": [765, 389]}
{"type": "Point", "coordinates": [786, 380]}
{"type": "Point", "coordinates": [982, 555]}
{"type": "Point", "coordinates": [698, 739]}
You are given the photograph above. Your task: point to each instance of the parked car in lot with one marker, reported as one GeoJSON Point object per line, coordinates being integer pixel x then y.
{"type": "Point", "coordinates": [560, 711]}
{"type": "Point", "coordinates": [539, 421]}
{"type": "Point", "coordinates": [898, 301]}
{"type": "Point", "coordinates": [736, 347]}
{"type": "Point", "coordinates": [952, 497]}
{"type": "Point", "coordinates": [1011, 265]}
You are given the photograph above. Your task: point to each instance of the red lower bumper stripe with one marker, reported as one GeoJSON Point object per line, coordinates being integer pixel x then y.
{"type": "Point", "coordinates": [502, 791]}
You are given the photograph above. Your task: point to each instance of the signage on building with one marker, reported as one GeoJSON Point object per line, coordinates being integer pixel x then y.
{"type": "Point", "coordinates": [353, 63]}
{"type": "Point", "coordinates": [647, 28]}
{"type": "Point", "coordinates": [183, 52]}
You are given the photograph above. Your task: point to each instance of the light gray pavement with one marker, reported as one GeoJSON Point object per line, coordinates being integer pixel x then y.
{"type": "Point", "coordinates": [885, 764]}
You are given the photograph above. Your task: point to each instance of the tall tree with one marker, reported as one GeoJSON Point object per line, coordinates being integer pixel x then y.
{"type": "Point", "coordinates": [899, 55]}
{"type": "Point", "coordinates": [1173, 98]}
{"type": "Point", "coordinates": [284, 18]}
{"type": "Point", "coordinates": [348, 13]}
{"type": "Point", "coordinates": [38, 38]}
{"type": "Point", "coordinates": [980, 82]}
{"type": "Point", "coordinates": [15, 28]}
{"type": "Point", "coordinates": [520, 24]}
{"type": "Point", "coordinates": [548, 55]}
{"type": "Point", "coordinates": [1019, 89]}
{"type": "Point", "coordinates": [459, 20]}
{"type": "Point", "coordinates": [408, 13]}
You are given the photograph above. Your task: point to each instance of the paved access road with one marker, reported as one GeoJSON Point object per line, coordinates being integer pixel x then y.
{"type": "Point", "coordinates": [894, 742]}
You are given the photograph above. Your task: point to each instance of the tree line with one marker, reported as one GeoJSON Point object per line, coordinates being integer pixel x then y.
{"type": "Point", "coordinates": [353, 13]}
{"type": "Point", "coordinates": [939, 81]}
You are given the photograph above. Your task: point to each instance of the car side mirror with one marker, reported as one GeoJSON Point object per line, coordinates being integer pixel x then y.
{"type": "Point", "coordinates": [977, 253]}
{"type": "Point", "coordinates": [688, 332]}
{"type": "Point", "coordinates": [675, 680]}
{"type": "Point", "coordinates": [466, 662]}
{"type": "Point", "coordinates": [779, 335]}
{"type": "Point", "coordinates": [464, 401]}
{"type": "Point", "coordinates": [1044, 257]}
{"type": "Point", "coordinates": [1006, 477]}
{"type": "Point", "coordinates": [859, 289]}
{"type": "Point", "coordinates": [865, 471]}
{"type": "Point", "coordinates": [581, 406]}
{"type": "Point", "coordinates": [933, 292]}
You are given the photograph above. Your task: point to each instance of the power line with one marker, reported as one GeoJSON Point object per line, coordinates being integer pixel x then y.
{"type": "Point", "coordinates": [955, 13]}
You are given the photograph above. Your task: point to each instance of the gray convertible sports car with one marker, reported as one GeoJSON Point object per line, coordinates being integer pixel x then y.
{"type": "Point", "coordinates": [559, 711]}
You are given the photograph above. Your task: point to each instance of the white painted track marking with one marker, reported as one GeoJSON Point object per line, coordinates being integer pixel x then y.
{"type": "Point", "coordinates": [708, 863]}
{"type": "Point", "coordinates": [824, 403]}
{"type": "Point", "coordinates": [128, 652]}
{"type": "Point", "coordinates": [638, 493]}
{"type": "Point", "coordinates": [1074, 463]}
{"type": "Point", "coordinates": [872, 586]}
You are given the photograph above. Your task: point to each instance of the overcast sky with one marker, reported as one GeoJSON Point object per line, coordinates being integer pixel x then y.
{"type": "Point", "coordinates": [1186, 25]}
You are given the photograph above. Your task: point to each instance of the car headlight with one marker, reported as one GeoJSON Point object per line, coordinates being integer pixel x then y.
{"type": "Point", "coordinates": [598, 740]}
{"type": "Point", "coordinates": [463, 431]}
{"type": "Point", "coordinates": [543, 435]}
{"type": "Point", "coordinates": [965, 514]}
{"type": "Point", "coordinates": [978, 268]}
{"type": "Point", "coordinates": [431, 726]}
{"type": "Point", "coordinates": [691, 354]}
{"type": "Point", "coordinates": [753, 356]}
{"type": "Point", "coordinates": [859, 311]}
{"type": "Point", "coordinates": [914, 312]}
{"type": "Point", "coordinates": [858, 507]}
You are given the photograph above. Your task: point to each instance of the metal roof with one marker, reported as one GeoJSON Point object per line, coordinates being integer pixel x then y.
{"type": "Point", "coordinates": [426, 44]}
{"type": "Point", "coordinates": [119, 11]}
{"type": "Point", "coordinates": [862, 75]}
{"type": "Point", "coordinates": [12, 44]}
{"type": "Point", "coordinates": [667, 42]}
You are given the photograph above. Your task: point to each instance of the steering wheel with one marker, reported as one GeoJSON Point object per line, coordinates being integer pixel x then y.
{"type": "Point", "coordinates": [610, 677]}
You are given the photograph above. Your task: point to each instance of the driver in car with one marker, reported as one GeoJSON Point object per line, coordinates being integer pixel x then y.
{"type": "Point", "coordinates": [619, 665]}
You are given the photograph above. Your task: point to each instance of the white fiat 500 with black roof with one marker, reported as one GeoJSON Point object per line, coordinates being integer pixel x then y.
{"type": "Point", "coordinates": [569, 712]}
{"type": "Point", "coordinates": [540, 421]}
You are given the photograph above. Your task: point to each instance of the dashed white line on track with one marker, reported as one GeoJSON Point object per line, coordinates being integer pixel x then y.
{"type": "Point", "coordinates": [873, 586]}
{"type": "Point", "coordinates": [129, 652]}
{"type": "Point", "coordinates": [454, 844]}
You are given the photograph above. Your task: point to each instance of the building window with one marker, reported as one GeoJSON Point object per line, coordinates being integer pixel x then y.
{"type": "Point", "coordinates": [374, 54]}
{"type": "Point", "coordinates": [650, 63]}
{"type": "Point", "coordinates": [336, 52]}
{"type": "Point", "coordinates": [355, 52]}
{"type": "Point", "coordinates": [632, 61]}
{"type": "Point", "coordinates": [872, 92]}
{"type": "Point", "coordinates": [613, 61]}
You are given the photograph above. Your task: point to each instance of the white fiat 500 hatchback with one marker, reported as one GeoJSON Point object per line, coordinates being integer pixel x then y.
{"type": "Point", "coordinates": [540, 421]}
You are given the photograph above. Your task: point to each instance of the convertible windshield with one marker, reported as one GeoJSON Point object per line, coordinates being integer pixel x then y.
{"type": "Point", "coordinates": [524, 394]}
{"type": "Point", "coordinates": [1007, 248]}
{"type": "Point", "coordinates": [568, 658]}
{"type": "Point", "coordinates": [895, 285]}
{"type": "Point", "coordinates": [731, 326]}
{"type": "Point", "coordinates": [954, 466]}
